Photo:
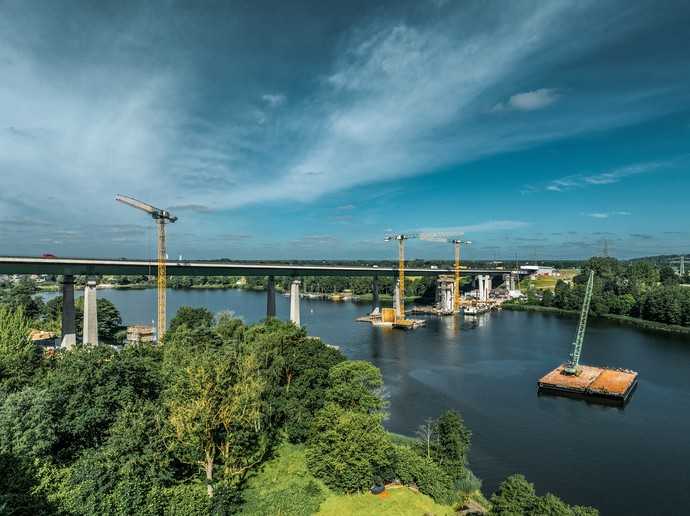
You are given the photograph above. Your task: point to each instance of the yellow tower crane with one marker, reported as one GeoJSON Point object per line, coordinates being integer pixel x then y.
{"type": "Point", "coordinates": [162, 217]}
{"type": "Point", "coordinates": [401, 269]}
{"type": "Point", "coordinates": [457, 299]}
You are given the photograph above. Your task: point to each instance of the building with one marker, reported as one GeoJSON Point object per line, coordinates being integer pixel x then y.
{"type": "Point", "coordinates": [539, 270]}
{"type": "Point", "coordinates": [139, 334]}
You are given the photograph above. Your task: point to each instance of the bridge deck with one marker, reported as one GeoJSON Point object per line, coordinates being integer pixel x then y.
{"type": "Point", "coordinates": [75, 266]}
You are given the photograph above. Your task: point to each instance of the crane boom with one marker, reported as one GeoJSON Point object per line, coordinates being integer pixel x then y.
{"type": "Point", "coordinates": [573, 364]}
{"type": "Point", "coordinates": [162, 217]}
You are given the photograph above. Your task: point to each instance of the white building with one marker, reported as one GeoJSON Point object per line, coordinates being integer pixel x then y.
{"type": "Point", "coordinates": [539, 270]}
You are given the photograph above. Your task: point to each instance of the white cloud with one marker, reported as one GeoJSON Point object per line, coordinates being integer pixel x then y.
{"type": "Point", "coordinates": [606, 215]}
{"type": "Point", "coordinates": [608, 177]}
{"type": "Point", "coordinates": [530, 100]}
{"type": "Point", "coordinates": [482, 227]}
{"type": "Point", "coordinates": [273, 99]}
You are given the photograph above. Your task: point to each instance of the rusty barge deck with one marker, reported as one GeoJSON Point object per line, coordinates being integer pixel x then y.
{"type": "Point", "coordinates": [592, 383]}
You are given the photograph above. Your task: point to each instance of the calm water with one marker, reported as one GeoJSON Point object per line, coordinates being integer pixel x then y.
{"type": "Point", "coordinates": [634, 460]}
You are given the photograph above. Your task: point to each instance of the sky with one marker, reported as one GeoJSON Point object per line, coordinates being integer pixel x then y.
{"type": "Point", "coordinates": [310, 130]}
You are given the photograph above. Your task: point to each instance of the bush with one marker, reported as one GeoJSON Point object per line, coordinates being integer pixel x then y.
{"type": "Point", "coordinates": [348, 450]}
{"type": "Point", "coordinates": [429, 477]}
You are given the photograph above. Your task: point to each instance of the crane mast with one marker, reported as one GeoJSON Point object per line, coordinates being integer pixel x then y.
{"type": "Point", "coordinates": [401, 269]}
{"type": "Point", "coordinates": [457, 295]}
{"type": "Point", "coordinates": [161, 217]}
{"type": "Point", "coordinates": [574, 363]}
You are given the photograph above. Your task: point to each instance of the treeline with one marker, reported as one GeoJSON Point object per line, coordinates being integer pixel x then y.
{"type": "Point", "coordinates": [636, 289]}
{"type": "Point", "coordinates": [179, 428]}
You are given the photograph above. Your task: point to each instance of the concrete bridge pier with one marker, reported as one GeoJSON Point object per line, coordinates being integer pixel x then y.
{"type": "Point", "coordinates": [69, 331]}
{"type": "Point", "coordinates": [294, 302]}
{"type": "Point", "coordinates": [396, 301]}
{"type": "Point", "coordinates": [90, 336]}
{"type": "Point", "coordinates": [375, 303]}
{"type": "Point", "coordinates": [271, 297]}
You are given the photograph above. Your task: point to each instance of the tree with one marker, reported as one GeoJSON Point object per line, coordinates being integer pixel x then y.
{"type": "Point", "coordinates": [296, 368]}
{"type": "Point", "coordinates": [216, 412]}
{"type": "Point", "coordinates": [126, 474]}
{"type": "Point", "coordinates": [668, 276]}
{"type": "Point", "coordinates": [86, 388]}
{"type": "Point", "coordinates": [21, 295]}
{"type": "Point", "coordinates": [452, 443]}
{"type": "Point", "coordinates": [348, 449]}
{"type": "Point", "coordinates": [191, 317]}
{"type": "Point", "coordinates": [19, 356]}
{"type": "Point", "coordinates": [356, 385]}
{"type": "Point", "coordinates": [515, 496]}
{"type": "Point", "coordinates": [427, 475]}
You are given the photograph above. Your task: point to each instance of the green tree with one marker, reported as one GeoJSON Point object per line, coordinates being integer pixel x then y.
{"type": "Point", "coordinates": [21, 295]}
{"type": "Point", "coordinates": [19, 357]}
{"type": "Point", "coordinates": [215, 406]}
{"type": "Point", "coordinates": [191, 317]}
{"type": "Point", "coordinates": [356, 385]}
{"type": "Point", "coordinates": [348, 449]}
{"type": "Point", "coordinates": [515, 496]}
{"type": "Point", "coordinates": [452, 444]}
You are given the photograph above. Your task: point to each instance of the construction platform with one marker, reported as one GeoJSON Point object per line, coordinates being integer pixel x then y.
{"type": "Point", "coordinates": [597, 383]}
{"type": "Point", "coordinates": [402, 324]}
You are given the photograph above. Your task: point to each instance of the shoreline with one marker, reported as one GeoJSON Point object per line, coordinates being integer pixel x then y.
{"type": "Point", "coordinates": [621, 319]}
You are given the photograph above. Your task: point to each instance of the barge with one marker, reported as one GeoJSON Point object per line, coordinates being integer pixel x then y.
{"type": "Point", "coordinates": [598, 383]}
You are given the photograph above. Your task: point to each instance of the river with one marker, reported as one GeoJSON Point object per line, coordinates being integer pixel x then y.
{"type": "Point", "coordinates": [625, 461]}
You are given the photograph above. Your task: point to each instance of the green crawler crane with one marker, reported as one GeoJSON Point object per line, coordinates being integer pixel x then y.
{"type": "Point", "coordinates": [573, 367]}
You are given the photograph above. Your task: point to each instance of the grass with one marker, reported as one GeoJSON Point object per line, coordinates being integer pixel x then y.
{"type": "Point", "coordinates": [393, 502]}
{"type": "Point", "coordinates": [548, 282]}
{"type": "Point", "coordinates": [285, 487]}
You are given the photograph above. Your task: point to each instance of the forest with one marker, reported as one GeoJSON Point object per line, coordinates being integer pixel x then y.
{"type": "Point", "coordinates": [193, 427]}
{"type": "Point", "coordinates": [637, 289]}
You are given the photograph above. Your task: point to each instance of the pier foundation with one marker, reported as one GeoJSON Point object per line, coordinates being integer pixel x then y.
{"type": "Point", "coordinates": [294, 302]}
{"type": "Point", "coordinates": [271, 297]}
{"type": "Point", "coordinates": [90, 314]}
{"type": "Point", "coordinates": [69, 332]}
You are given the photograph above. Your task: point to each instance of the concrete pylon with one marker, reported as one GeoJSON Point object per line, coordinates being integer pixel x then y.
{"type": "Point", "coordinates": [294, 302]}
{"type": "Point", "coordinates": [396, 301]}
{"type": "Point", "coordinates": [69, 333]}
{"type": "Point", "coordinates": [487, 286]}
{"type": "Point", "coordinates": [90, 314]}
{"type": "Point", "coordinates": [480, 287]}
{"type": "Point", "coordinates": [375, 303]}
{"type": "Point", "coordinates": [271, 297]}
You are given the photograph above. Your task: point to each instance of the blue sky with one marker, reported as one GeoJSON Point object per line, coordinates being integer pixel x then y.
{"type": "Point", "coordinates": [312, 129]}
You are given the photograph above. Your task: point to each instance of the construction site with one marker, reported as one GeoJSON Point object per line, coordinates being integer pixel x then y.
{"type": "Point", "coordinates": [588, 382]}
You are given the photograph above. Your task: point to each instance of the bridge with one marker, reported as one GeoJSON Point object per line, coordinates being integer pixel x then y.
{"type": "Point", "coordinates": [97, 267]}
{"type": "Point", "coordinates": [70, 267]}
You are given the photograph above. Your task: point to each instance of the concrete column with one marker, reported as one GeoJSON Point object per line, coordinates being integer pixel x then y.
{"type": "Point", "coordinates": [294, 302]}
{"type": "Point", "coordinates": [480, 287]}
{"type": "Point", "coordinates": [375, 303]}
{"type": "Point", "coordinates": [487, 286]}
{"type": "Point", "coordinates": [69, 332]}
{"type": "Point", "coordinates": [396, 301]}
{"type": "Point", "coordinates": [90, 314]}
{"type": "Point", "coordinates": [271, 297]}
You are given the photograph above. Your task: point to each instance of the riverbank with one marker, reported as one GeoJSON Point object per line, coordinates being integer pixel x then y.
{"type": "Point", "coordinates": [621, 319]}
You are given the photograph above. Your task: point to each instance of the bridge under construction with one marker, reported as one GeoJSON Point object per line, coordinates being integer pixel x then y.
{"type": "Point", "coordinates": [68, 268]}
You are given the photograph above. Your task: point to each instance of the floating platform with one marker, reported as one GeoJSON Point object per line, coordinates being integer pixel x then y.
{"type": "Point", "coordinates": [591, 383]}
{"type": "Point", "coordinates": [402, 324]}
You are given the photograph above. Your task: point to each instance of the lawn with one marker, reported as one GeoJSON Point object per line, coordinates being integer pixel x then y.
{"type": "Point", "coordinates": [393, 502]}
